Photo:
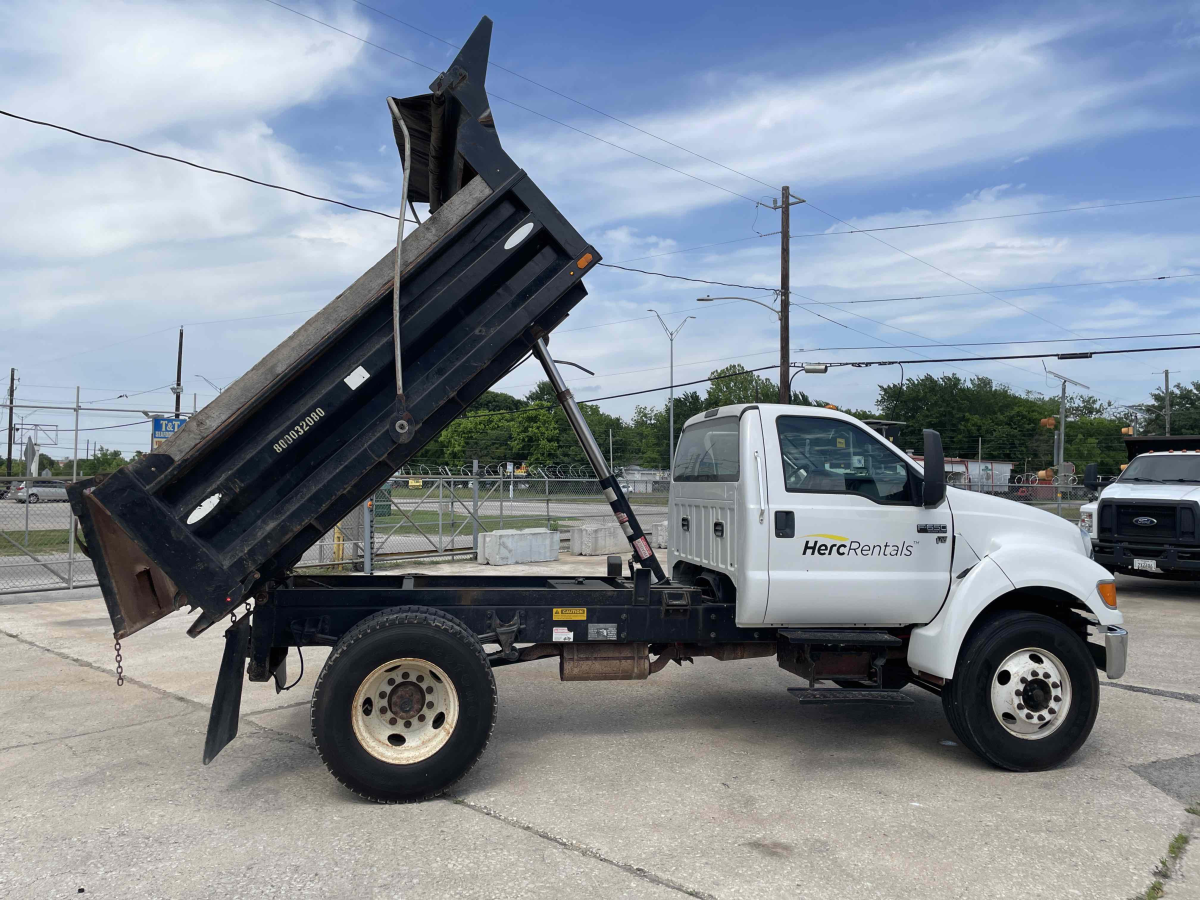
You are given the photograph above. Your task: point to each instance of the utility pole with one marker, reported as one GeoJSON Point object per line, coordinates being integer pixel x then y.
{"type": "Point", "coordinates": [670, 403]}
{"type": "Point", "coordinates": [12, 387]}
{"type": "Point", "coordinates": [1167, 398]}
{"type": "Point", "coordinates": [178, 389]}
{"type": "Point", "coordinates": [785, 292]}
{"type": "Point", "coordinates": [785, 275]}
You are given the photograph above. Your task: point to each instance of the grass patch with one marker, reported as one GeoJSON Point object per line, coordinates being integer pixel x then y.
{"type": "Point", "coordinates": [1177, 844]}
{"type": "Point", "coordinates": [1154, 892]}
{"type": "Point", "coordinates": [1193, 810]}
{"type": "Point", "coordinates": [41, 541]}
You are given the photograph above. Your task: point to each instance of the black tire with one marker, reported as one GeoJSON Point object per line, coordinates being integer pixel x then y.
{"type": "Point", "coordinates": [967, 699]}
{"type": "Point", "coordinates": [406, 632]}
{"type": "Point", "coordinates": [34, 498]}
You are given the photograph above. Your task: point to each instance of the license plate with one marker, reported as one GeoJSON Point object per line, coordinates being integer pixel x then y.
{"type": "Point", "coordinates": [1146, 565]}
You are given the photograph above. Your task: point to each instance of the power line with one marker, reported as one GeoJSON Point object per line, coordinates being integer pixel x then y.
{"type": "Point", "coordinates": [496, 96]}
{"type": "Point", "coordinates": [607, 265]}
{"type": "Point", "coordinates": [1043, 212]}
{"type": "Point", "coordinates": [194, 165]}
{"type": "Point", "coordinates": [1036, 287]}
{"type": "Point", "coordinates": [1086, 355]}
{"type": "Point", "coordinates": [944, 272]}
{"type": "Point", "coordinates": [748, 287]}
{"type": "Point", "coordinates": [574, 100]}
{"type": "Point", "coordinates": [856, 364]}
{"type": "Point", "coordinates": [752, 237]}
{"type": "Point", "coordinates": [1044, 287]}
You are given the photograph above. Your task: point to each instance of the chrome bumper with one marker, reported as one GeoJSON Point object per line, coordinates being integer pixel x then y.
{"type": "Point", "coordinates": [1116, 649]}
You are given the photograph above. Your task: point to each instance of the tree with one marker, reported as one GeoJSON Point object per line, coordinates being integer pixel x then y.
{"type": "Point", "coordinates": [1185, 411]}
{"type": "Point", "coordinates": [735, 384]}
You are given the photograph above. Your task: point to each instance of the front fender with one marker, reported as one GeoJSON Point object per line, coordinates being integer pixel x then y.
{"type": "Point", "coordinates": [933, 648]}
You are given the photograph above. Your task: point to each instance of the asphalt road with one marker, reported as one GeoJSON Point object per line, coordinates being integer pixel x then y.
{"type": "Point", "coordinates": [704, 781]}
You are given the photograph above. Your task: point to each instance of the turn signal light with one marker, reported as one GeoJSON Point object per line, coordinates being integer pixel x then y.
{"type": "Point", "coordinates": [584, 261]}
{"type": "Point", "coordinates": [1108, 593]}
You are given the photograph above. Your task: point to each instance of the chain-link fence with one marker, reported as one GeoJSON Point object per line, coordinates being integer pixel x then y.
{"type": "Point", "coordinates": [1061, 499]}
{"type": "Point", "coordinates": [422, 515]}
{"type": "Point", "coordinates": [37, 541]}
{"type": "Point", "coordinates": [416, 515]}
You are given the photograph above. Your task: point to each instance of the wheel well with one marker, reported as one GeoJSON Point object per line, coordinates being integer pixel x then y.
{"type": "Point", "coordinates": [1056, 604]}
{"type": "Point", "coordinates": [717, 585]}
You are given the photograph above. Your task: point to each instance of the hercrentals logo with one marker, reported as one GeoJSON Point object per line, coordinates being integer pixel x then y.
{"type": "Point", "coordinates": [836, 545]}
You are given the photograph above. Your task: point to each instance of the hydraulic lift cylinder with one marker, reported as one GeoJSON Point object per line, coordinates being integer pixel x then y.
{"type": "Point", "coordinates": [608, 482]}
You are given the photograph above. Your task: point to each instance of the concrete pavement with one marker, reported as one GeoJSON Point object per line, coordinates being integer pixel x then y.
{"type": "Point", "coordinates": [705, 780]}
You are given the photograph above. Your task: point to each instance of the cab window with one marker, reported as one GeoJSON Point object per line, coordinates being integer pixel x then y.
{"type": "Point", "coordinates": [831, 456]}
{"type": "Point", "coordinates": [708, 451]}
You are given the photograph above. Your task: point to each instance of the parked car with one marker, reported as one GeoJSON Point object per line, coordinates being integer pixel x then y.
{"type": "Point", "coordinates": [39, 491]}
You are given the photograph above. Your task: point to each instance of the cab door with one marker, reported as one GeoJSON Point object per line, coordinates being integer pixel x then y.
{"type": "Point", "coordinates": [850, 543]}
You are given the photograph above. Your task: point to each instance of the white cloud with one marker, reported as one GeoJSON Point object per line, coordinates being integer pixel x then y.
{"type": "Point", "coordinates": [971, 100]}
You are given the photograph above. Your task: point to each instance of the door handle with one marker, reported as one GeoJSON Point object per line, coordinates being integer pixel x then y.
{"type": "Point", "coordinates": [762, 488]}
{"type": "Point", "coordinates": [785, 523]}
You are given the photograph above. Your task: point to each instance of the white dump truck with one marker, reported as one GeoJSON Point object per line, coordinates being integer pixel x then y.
{"type": "Point", "coordinates": [795, 533]}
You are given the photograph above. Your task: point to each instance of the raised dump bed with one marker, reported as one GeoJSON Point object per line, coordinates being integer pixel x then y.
{"type": "Point", "coordinates": [257, 476]}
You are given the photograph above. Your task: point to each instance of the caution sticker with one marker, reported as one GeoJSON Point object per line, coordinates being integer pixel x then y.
{"type": "Point", "coordinates": [570, 612]}
{"type": "Point", "coordinates": [642, 546]}
{"type": "Point", "coordinates": [564, 634]}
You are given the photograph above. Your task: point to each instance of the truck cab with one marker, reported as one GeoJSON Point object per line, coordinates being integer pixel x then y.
{"type": "Point", "coordinates": [1145, 522]}
{"type": "Point", "coordinates": [806, 519]}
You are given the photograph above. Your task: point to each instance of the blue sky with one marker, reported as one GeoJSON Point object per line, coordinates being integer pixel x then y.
{"type": "Point", "coordinates": [882, 114]}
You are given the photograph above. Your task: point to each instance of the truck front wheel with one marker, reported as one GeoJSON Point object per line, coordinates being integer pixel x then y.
{"type": "Point", "coordinates": [404, 705]}
{"type": "Point", "coordinates": [1025, 692]}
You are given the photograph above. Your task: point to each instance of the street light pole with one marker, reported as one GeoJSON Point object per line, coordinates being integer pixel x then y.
{"type": "Point", "coordinates": [671, 402]}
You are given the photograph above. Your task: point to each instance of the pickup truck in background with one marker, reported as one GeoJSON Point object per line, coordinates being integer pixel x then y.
{"type": "Point", "coordinates": [1145, 522]}
{"type": "Point", "coordinates": [795, 533]}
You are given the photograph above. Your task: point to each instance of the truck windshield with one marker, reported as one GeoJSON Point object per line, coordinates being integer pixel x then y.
{"type": "Point", "coordinates": [708, 451]}
{"type": "Point", "coordinates": [1183, 469]}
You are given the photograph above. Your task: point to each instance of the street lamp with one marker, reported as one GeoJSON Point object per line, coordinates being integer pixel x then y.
{"type": "Point", "coordinates": [785, 395]}
{"type": "Point", "coordinates": [671, 403]}
{"type": "Point", "coordinates": [210, 384]}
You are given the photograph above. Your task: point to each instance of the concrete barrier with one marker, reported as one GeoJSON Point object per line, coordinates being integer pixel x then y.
{"type": "Point", "coordinates": [658, 535]}
{"type": "Point", "coordinates": [508, 547]}
{"type": "Point", "coordinates": [598, 540]}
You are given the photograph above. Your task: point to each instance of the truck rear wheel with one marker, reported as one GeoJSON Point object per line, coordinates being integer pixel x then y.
{"type": "Point", "coordinates": [404, 706]}
{"type": "Point", "coordinates": [1025, 692]}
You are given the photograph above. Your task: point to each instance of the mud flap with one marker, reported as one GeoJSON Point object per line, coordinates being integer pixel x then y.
{"type": "Point", "coordinates": [227, 699]}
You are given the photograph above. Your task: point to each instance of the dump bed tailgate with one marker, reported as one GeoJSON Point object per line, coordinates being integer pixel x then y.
{"type": "Point", "coordinates": [259, 475]}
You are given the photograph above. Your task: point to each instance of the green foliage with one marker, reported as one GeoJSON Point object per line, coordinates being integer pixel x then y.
{"type": "Point", "coordinates": [967, 413]}
{"type": "Point", "coordinates": [1185, 411]}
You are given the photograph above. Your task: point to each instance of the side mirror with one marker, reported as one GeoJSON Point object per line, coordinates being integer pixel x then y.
{"type": "Point", "coordinates": [1091, 476]}
{"type": "Point", "coordinates": [934, 488]}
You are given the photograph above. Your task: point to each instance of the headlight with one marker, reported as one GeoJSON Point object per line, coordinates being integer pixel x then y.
{"type": "Point", "coordinates": [1085, 521]}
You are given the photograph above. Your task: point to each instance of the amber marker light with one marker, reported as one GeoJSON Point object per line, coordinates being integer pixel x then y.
{"type": "Point", "coordinates": [1108, 593]}
{"type": "Point", "coordinates": [584, 261]}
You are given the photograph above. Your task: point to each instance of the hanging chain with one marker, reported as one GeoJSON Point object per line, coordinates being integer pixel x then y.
{"type": "Point", "coordinates": [120, 669]}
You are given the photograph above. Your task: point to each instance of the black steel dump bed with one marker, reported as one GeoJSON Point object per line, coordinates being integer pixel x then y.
{"type": "Point", "coordinates": [286, 451]}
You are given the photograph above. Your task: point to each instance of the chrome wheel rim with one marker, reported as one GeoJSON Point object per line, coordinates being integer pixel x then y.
{"type": "Point", "coordinates": [1031, 693]}
{"type": "Point", "coordinates": [405, 711]}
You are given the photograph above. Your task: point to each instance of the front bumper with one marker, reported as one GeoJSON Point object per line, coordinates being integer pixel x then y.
{"type": "Point", "coordinates": [1116, 650]}
{"type": "Point", "coordinates": [1119, 555]}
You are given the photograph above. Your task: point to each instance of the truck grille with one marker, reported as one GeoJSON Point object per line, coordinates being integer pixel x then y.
{"type": "Point", "coordinates": [1155, 522]}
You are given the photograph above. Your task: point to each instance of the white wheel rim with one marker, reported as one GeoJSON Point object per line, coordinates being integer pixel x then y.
{"type": "Point", "coordinates": [1031, 693]}
{"type": "Point", "coordinates": [392, 724]}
